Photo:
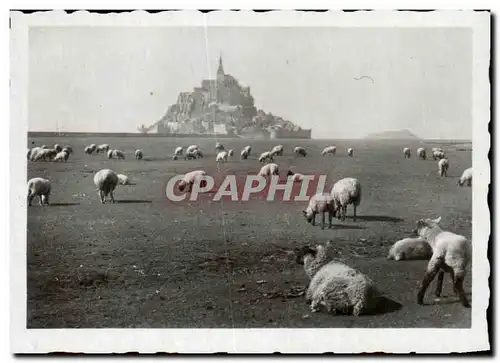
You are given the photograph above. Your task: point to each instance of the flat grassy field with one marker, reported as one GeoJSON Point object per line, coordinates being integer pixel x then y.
{"type": "Point", "coordinates": [145, 262]}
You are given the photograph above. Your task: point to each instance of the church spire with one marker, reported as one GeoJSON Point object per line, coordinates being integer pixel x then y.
{"type": "Point", "coordinates": [220, 70]}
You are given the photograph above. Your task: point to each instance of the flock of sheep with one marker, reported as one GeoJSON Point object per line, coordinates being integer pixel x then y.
{"type": "Point", "coordinates": [333, 285]}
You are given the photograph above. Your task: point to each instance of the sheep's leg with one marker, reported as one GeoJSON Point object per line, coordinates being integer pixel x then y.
{"type": "Point", "coordinates": [354, 213]}
{"type": "Point", "coordinates": [313, 221]}
{"type": "Point", "coordinates": [323, 220]}
{"type": "Point", "coordinates": [344, 212]}
{"type": "Point", "coordinates": [30, 198]}
{"type": "Point", "coordinates": [41, 200]}
{"type": "Point", "coordinates": [439, 284]}
{"type": "Point", "coordinates": [330, 217]}
{"type": "Point", "coordinates": [458, 285]}
{"type": "Point", "coordinates": [432, 269]}
{"type": "Point", "coordinates": [47, 199]}
{"type": "Point", "coordinates": [111, 196]}
{"type": "Point", "coordinates": [100, 193]}
{"type": "Point", "coordinates": [469, 182]}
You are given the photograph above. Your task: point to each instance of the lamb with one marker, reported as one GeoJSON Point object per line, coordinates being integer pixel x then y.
{"type": "Point", "coordinates": [106, 181]}
{"type": "Point", "coordinates": [344, 192]}
{"type": "Point", "coordinates": [190, 178]}
{"type": "Point", "coordinates": [438, 155]}
{"type": "Point", "coordinates": [138, 154]}
{"type": "Point", "coordinates": [219, 147]}
{"type": "Point", "coordinates": [421, 153]}
{"type": "Point", "coordinates": [329, 150]}
{"type": "Point", "coordinates": [466, 178]}
{"type": "Point", "coordinates": [192, 148]}
{"type": "Point", "coordinates": [178, 151]}
{"type": "Point", "coordinates": [443, 166]}
{"type": "Point", "coordinates": [350, 152]}
{"type": "Point", "coordinates": [277, 150]}
{"type": "Point", "coordinates": [299, 150]}
{"type": "Point", "coordinates": [116, 154]}
{"type": "Point", "coordinates": [62, 156]}
{"type": "Point", "coordinates": [222, 156]}
{"type": "Point", "coordinates": [268, 170]}
{"type": "Point", "coordinates": [320, 203]}
{"type": "Point", "coordinates": [451, 253]}
{"type": "Point", "coordinates": [266, 155]}
{"type": "Point", "coordinates": [410, 249]}
{"type": "Point", "coordinates": [40, 187]}
{"type": "Point", "coordinates": [296, 177]}
{"type": "Point", "coordinates": [123, 179]}
{"type": "Point", "coordinates": [57, 148]}
{"type": "Point", "coordinates": [407, 152]}
{"type": "Point", "coordinates": [103, 148]}
{"type": "Point", "coordinates": [193, 154]}
{"type": "Point", "coordinates": [335, 285]}
{"type": "Point", "coordinates": [230, 152]}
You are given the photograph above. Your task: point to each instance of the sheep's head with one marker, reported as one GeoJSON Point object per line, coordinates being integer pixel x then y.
{"type": "Point", "coordinates": [289, 173]}
{"type": "Point", "coordinates": [308, 213]}
{"type": "Point", "coordinates": [182, 185]}
{"type": "Point", "coordinates": [425, 225]}
{"type": "Point", "coordinates": [300, 253]}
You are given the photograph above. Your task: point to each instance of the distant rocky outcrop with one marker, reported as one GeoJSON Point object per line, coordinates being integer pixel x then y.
{"type": "Point", "coordinates": [393, 135]}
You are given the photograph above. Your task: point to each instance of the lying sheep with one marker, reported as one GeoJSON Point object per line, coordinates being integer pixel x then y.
{"type": "Point", "coordinates": [138, 154]}
{"type": "Point", "coordinates": [222, 157]}
{"type": "Point", "coordinates": [277, 150]}
{"type": "Point", "coordinates": [438, 155]}
{"type": "Point", "coordinates": [192, 148]}
{"type": "Point", "coordinates": [329, 150]}
{"type": "Point", "coordinates": [407, 152]}
{"type": "Point", "coordinates": [102, 148]}
{"type": "Point", "coordinates": [350, 152]}
{"type": "Point", "coordinates": [410, 249]}
{"type": "Point", "coordinates": [320, 203]}
{"type": "Point", "coordinates": [219, 147]}
{"type": "Point", "coordinates": [335, 285]}
{"type": "Point", "coordinates": [466, 178]}
{"type": "Point", "coordinates": [266, 156]}
{"type": "Point", "coordinates": [40, 187]}
{"type": "Point", "coordinates": [62, 156]}
{"type": "Point", "coordinates": [116, 154]}
{"type": "Point", "coordinates": [190, 178]}
{"type": "Point", "coordinates": [230, 152]}
{"type": "Point", "coordinates": [268, 170]}
{"type": "Point", "coordinates": [344, 192]}
{"type": "Point", "coordinates": [299, 150]}
{"type": "Point", "coordinates": [105, 181]}
{"type": "Point", "coordinates": [421, 153]}
{"type": "Point", "coordinates": [178, 151]}
{"type": "Point", "coordinates": [193, 154]}
{"type": "Point", "coordinates": [443, 166]}
{"type": "Point", "coordinates": [123, 179]}
{"type": "Point", "coordinates": [451, 253]}
{"type": "Point", "coordinates": [57, 148]}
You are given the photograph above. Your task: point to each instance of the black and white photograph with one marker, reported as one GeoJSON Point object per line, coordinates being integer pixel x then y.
{"type": "Point", "coordinates": [244, 182]}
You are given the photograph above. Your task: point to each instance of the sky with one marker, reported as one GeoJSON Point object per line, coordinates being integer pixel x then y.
{"type": "Point", "coordinates": [112, 79]}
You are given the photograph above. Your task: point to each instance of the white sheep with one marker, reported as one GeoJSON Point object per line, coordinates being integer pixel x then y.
{"type": "Point", "coordinates": [266, 155]}
{"type": "Point", "coordinates": [103, 147]}
{"type": "Point", "coordinates": [248, 148]}
{"type": "Point", "coordinates": [68, 149]}
{"type": "Point", "coordinates": [192, 148]}
{"type": "Point", "coordinates": [139, 154]}
{"type": "Point", "coordinates": [244, 154]}
{"type": "Point", "coordinates": [320, 203]}
{"type": "Point", "coordinates": [178, 151]}
{"type": "Point", "coordinates": [277, 150]}
{"type": "Point", "coordinates": [33, 152]}
{"type": "Point", "coordinates": [299, 150]}
{"type": "Point", "coordinates": [193, 154]}
{"type": "Point", "coordinates": [350, 152]}
{"type": "Point", "coordinates": [45, 154]}
{"type": "Point", "coordinates": [451, 253]}
{"type": "Point", "coordinates": [123, 179]}
{"type": "Point", "coordinates": [268, 170]}
{"type": "Point", "coordinates": [466, 178]}
{"type": "Point", "coordinates": [421, 153]}
{"type": "Point", "coordinates": [230, 152]}
{"type": "Point", "coordinates": [443, 166]}
{"type": "Point", "coordinates": [335, 285]}
{"type": "Point", "coordinates": [407, 152]}
{"type": "Point", "coordinates": [40, 187]}
{"type": "Point", "coordinates": [116, 154]}
{"type": "Point", "coordinates": [219, 147]}
{"type": "Point", "coordinates": [410, 249]}
{"type": "Point", "coordinates": [105, 181]}
{"type": "Point", "coordinates": [57, 148]}
{"type": "Point", "coordinates": [329, 150]}
{"type": "Point", "coordinates": [62, 156]}
{"type": "Point", "coordinates": [222, 156]}
{"type": "Point", "coordinates": [190, 178]}
{"type": "Point", "coordinates": [438, 155]}
{"type": "Point", "coordinates": [88, 150]}
{"type": "Point", "coordinates": [344, 192]}
{"type": "Point", "coordinates": [296, 177]}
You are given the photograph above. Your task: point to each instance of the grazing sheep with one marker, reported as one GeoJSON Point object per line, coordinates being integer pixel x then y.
{"type": "Point", "coordinates": [335, 285]}
{"type": "Point", "coordinates": [105, 181]}
{"type": "Point", "coordinates": [407, 152]}
{"type": "Point", "coordinates": [248, 148]}
{"type": "Point", "coordinates": [178, 151]}
{"type": "Point", "coordinates": [277, 150]}
{"type": "Point", "coordinates": [244, 154]}
{"type": "Point", "coordinates": [103, 147]}
{"type": "Point", "coordinates": [175, 157]}
{"type": "Point", "coordinates": [437, 149]}
{"type": "Point", "coordinates": [466, 178]}
{"type": "Point", "coordinates": [268, 170]}
{"type": "Point", "coordinates": [421, 153]}
{"type": "Point", "coordinates": [57, 148]}
{"type": "Point", "coordinates": [40, 187]}
{"type": "Point", "coordinates": [116, 154]}
{"type": "Point", "coordinates": [438, 155]}
{"type": "Point", "coordinates": [329, 150]}
{"type": "Point", "coordinates": [410, 249]}
{"type": "Point", "coordinates": [350, 152]}
{"type": "Point", "coordinates": [190, 178]}
{"type": "Point", "coordinates": [222, 156]}
{"type": "Point", "coordinates": [344, 192]}
{"type": "Point", "coordinates": [69, 148]}
{"type": "Point", "coordinates": [296, 177]}
{"type": "Point", "coordinates": [451, 253]}
{"type": "Point", "coordinates": [266, 155]}
{"type": "Point", "coordinates": [443, 166]}
{"type": "Point", "coordinates": [62, 156]}
{"type": "Point", "coordinates": [88, 150]}
{"type": "Point", "coordinates": [138, 154]}
{"type": "Point", "coordinates": [299, 150]}
{"type": "Point", "coordinates": [230, 152]}
{"type": "Point", "coordinates": [320, 203]}
{"type": "Point", "coordinates": [45, 154]}
{"type": "Point", "coordinates": [192, 148]}
{"type": "Point", "coordinates": [33, 153]}
{"type": "Point", "coordinates": [193, 154]}
{"type": "Point", "coordinates": [219, 147]}
{"type": "Point", "coordinates": [123, 179]}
